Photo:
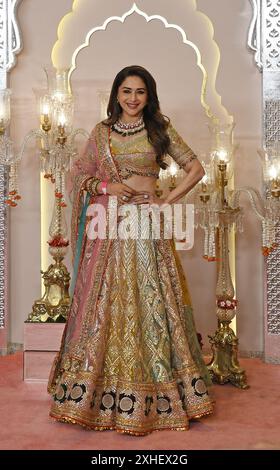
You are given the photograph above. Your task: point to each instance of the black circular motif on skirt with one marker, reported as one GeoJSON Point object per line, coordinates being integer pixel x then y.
{"type": "Point", "coordinates": [126, 403]}
{"type": "Point", "coordinates": [199, 387]}
{"type": "Point", "coordinates": [108, 401]}
{"type": "Point", "coordinates": [77, 392]}
{"type": "Point", "coordinates": [163, 404]}
{"type": "Point", "coordinates": [148, 401]}
{"type": "Point", "coordinates": [60, 395]}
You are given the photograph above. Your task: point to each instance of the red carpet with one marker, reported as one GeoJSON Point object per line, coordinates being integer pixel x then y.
{"type": "Point", "coordinates": [248, 419]}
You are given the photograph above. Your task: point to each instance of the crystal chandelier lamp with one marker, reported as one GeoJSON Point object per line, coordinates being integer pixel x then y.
{"type": "Point", "coordinates": [219, 214]}
{"type": "Point", "coordinates": [56, 144]}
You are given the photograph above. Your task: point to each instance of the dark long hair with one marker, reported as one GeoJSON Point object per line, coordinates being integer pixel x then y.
{"type": "Point", "coordinates": [156, 123]}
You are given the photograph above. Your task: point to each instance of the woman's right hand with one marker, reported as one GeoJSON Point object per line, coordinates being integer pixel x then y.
{"type": "Point", "coordinates": [121, 190]}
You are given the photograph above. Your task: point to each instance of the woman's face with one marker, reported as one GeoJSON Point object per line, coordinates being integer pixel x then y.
{"type": "Point", "coordinates": [133, 97]}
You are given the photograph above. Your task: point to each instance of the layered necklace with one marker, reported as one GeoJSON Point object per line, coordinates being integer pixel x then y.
{"type": "Point", "coordinates": [128, 128]}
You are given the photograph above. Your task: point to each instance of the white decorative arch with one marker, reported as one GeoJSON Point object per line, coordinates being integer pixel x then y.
{"type": "Point", "coordinates": [135, 10]}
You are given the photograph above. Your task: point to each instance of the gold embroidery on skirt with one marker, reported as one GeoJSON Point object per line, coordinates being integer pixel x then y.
{"type": "Point", "coordinates": [130, 368]}
{"type": "Point", "coordinates": [138, 408]}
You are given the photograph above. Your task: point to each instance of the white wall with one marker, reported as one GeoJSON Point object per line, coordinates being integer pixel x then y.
{"type": "Point", "coordinates": [38, 21]}
{"type": "Point", "coordinates": [239, 83]}
{"type": "Point", "coordinates": [173, 64]}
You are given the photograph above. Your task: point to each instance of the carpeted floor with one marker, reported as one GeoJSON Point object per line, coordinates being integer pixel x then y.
{"type": "Point", "coordinates": [248, 419]}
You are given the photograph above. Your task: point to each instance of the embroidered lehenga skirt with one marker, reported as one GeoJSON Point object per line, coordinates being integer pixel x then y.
{"type": "Point", "coordinates": [133, 362]}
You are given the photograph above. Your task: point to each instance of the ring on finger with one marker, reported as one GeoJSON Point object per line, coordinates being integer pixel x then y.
{"type": "Point", "coordinates": [125, 198]}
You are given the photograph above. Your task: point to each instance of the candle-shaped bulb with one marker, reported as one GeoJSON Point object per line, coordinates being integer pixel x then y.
{"type": "Point", "coordinates": [45, 105]}
{"type": "Point", "coordinates": [222, 155]}
{"type": "Point", "coordinates": [45, 113]}
{"type": "Point", "coordinates": [173, 169]}
{"type": "Point", "coordinates": [4, 108]}
{"type": "Point", "coordinates": [204, 180]}
{"type": "Point", "coordinates": [62, 119]}
{"type": "Point", "coordinates": [46, 109]}
{"type": "Point", "coordinates": [2, 114]}
{"type": "Point", "coordinates": [272, 172]}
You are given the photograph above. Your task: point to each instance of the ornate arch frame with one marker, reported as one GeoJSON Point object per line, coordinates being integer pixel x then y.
{"type": "Point", "coordinates": [135, 10]}
{"type": "Point", "coordinates": [10, 46]}
{"type": "Point", "coordinates": [264, 42]}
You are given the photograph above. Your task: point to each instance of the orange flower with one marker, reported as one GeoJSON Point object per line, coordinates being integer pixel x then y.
{"type": "Point", "coordinates": [265, 251]}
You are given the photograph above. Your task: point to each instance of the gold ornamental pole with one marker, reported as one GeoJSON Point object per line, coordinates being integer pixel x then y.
{"type": "Point", "coordinates": [55, 303]}
{"type": "Point", "coordinates": [224, 366]}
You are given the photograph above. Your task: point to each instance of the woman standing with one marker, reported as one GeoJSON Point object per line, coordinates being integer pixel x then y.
{"type": "Point", "coordinates": [129, 358]}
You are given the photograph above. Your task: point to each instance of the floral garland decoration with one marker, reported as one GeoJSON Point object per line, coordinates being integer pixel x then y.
{"type": "Point", "coordinates": [227, 304]}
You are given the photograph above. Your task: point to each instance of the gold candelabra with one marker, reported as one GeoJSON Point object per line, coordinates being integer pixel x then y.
{"type": "Point", "coordinates": [56, 145]}
{"type": "Point", "coordinates": [7, 157]}
{"type": "Point", "coordinates": [172, 182]}
{"type": "Point", "coordinates": [168, 178]}
{"type": "Point", "coordinates": [224, 365]}
{"type": "Point", "coordinates": [57, 149]}
{"type": "Point", "coordinates": [219, 214]}
{"type": "Point", "coordinates": [218, 217]}
{"type": "Point", "coordinates": [53, 306]}
{"type": "Point", "coordinates": [158, 191]}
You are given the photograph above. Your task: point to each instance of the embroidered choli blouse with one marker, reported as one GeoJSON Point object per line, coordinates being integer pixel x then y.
{"type": "Point", "coordinates": [137, 156]}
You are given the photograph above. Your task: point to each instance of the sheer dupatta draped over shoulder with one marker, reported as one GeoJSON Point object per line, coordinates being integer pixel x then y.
{"type": "Point", "coordinates": [129, 357]}
{"type": "Point", "coordinates": [95, 161]}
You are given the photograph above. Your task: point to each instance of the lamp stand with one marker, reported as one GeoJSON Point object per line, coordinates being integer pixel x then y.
{"type": "Point", "coordinates": [224, 366]}
{"type": "Point", "coordinates": [55, 303]}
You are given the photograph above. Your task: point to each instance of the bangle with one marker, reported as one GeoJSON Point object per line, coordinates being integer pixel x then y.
{"type": "Point", "coordinates": [103, 187]}
{"type": "Point", "coordinates": [93, 186]}
{"type": "Point", "coordinates": [87, 184]}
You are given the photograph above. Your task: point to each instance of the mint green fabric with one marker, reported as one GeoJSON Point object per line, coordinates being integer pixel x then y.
{"type": "Point", "coordinates": [195, 346]}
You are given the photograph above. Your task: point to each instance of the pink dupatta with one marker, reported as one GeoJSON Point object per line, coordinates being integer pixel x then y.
{"type": "Point", "coordinates": [91, 256]}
